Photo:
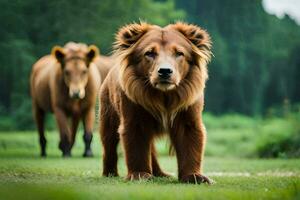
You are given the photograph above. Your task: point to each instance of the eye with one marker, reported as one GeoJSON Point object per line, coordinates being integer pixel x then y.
{"type": "Point", "coordinates": [151, 54]}
{"type": "Point", "coordinates": [84, 72]}
{"type": "Point", "coordinates": [179, 53]}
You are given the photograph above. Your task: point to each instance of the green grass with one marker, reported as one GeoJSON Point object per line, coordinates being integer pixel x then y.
{"type": "Point", "coordinates": [24, 175]}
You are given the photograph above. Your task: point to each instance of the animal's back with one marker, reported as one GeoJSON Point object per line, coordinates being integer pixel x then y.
{"type": "Point", "coordinates": [39, 82]}
{"type": "Point", "coordinates": [104, 65]}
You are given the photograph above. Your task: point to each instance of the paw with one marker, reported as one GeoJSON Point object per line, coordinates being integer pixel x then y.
{"type": "Point", "coordinates": [196, 179]}
{"type": "Point", "coordinates": [66, 154]}
{"type": "Point", "coordinates": [110, 174]}
{"type": "Point", "coordinates": [88, 153]}
{"type": "Point", "coordinates": [138, 176]}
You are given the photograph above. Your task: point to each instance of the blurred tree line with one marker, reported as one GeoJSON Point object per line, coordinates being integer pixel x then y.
{"type": "Point", "coordinates": [29, 29]}
{"type": "Point", "coordinates": [255, 64]}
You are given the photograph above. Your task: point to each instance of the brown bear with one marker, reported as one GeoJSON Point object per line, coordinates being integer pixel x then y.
{"type": "Point", "coordinates": [66, 83]}
{"type": "Point", "coordinates": [156, 87]}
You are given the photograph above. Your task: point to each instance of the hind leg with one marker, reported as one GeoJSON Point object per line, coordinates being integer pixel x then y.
{"type": "Point", "coordinates": [39, 116]}
{"type": "Point", "coordinates": [156, 170]}
{"type": "Point", "coordinates": [109, 123]}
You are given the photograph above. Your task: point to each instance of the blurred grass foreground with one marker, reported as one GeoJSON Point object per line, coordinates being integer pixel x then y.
{"type": "Point", "coordinates": [234, 143]}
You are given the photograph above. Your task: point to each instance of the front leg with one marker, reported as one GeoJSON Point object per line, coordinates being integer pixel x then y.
{"type": "Point", "coordinates": [88, 122]}
{"type": "Point", "coordinates": [188, 136]}
{"type": "Point", "coordinates": [137, 128]}
{"type": "Point", "coordinates": [137, 143]}
{"type": "Point", "coordinates": [74, 127]}
{"type": "Point", "coordinates": [64, 130]}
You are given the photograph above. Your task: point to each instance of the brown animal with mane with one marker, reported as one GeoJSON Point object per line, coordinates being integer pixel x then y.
{"type": "Point", "coordinates": [156, 87]}
{"type": "Point", "coordinates": [66, 83]}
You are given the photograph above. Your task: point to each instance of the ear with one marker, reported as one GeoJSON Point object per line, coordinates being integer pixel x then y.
{"type": "Point", "coordinates": [59, 53]}
{"type": "Point", "coordinates": [197, 36]}
{"type": "Point", "coordinates": [92, 53]}
{"type": "Point", "coordinates": [130, 34]}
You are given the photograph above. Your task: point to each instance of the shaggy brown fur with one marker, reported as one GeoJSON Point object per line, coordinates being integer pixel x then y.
{"type": "Point", "coordinates": [66, 83]}
{"type": "Point", "coordinates": [156, 87]}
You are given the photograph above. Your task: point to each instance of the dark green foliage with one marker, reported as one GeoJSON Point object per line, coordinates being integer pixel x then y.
{"type": "Point", "coordinates": [282, 142]}
{"type": "Point", "coordinates": [286, 147]}
{"type": "Point", "coordinates": [256, 55]}
{"type": "Point", "coordinates": [256, 63]}
{"type": "Point", "coordinates": [29, 29]}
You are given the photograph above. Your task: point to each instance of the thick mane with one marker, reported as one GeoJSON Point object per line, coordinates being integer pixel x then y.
{"type": "Point", "coordinates": [199, 39]}
{"type": "Point", "coordinates": [129, 34]}
{"type": "Point", "coordinates": [163, 105]}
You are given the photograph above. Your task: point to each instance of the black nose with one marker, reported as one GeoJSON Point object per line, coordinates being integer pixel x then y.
{"type": "Point", "coordinates": [165, 73]}
{"type": "Point", "coordinates": [76, 94]}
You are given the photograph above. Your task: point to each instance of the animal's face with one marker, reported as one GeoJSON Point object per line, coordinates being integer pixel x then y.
{"type": "Point", "coordinates": [164, 56]}
{"type": "Point", "coordinates": [75, 68]}
{"type": "Point", "coordinates": [75, 75]}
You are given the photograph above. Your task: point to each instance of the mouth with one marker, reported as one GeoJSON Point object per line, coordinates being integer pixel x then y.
{"type": "Point", "coordinates": [165, 85]}
{"type": "Point", "coordinates": [164, 82]}
{"type": "Point", "coordinates": [76, 95]}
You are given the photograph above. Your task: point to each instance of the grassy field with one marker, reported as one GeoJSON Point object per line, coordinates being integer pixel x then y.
{"type": "Point", "coordinates": [24, 175]}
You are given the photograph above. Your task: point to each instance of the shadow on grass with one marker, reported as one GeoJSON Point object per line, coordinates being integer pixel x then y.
{"type": "Point", "coordinates": [20, 155]}
{"type": "Point", "coordinates": [14, 156]}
